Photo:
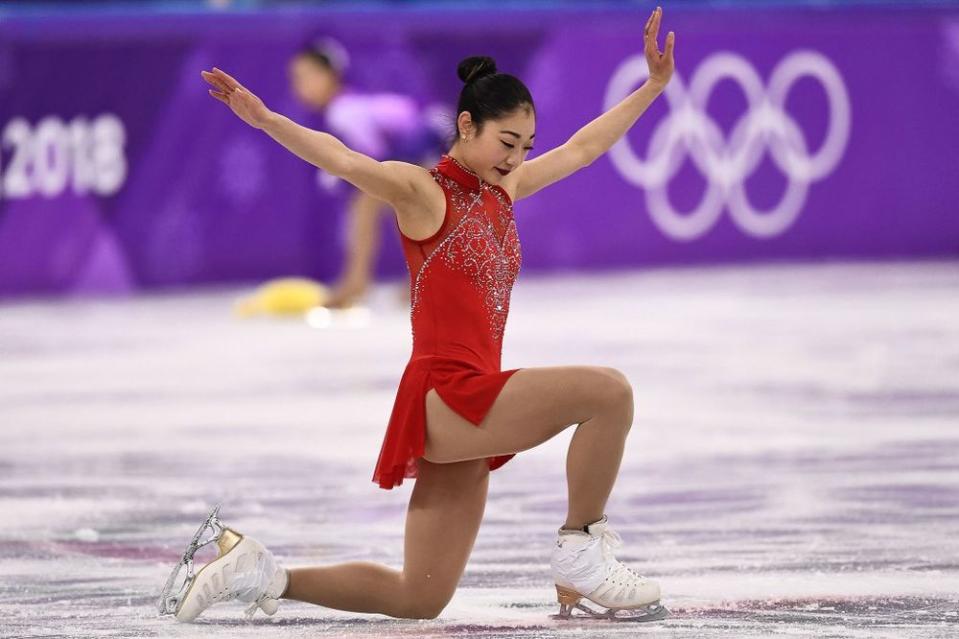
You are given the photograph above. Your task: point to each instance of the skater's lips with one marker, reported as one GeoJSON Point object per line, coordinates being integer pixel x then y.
{"type": "Point", "coordinates": [502, 171]}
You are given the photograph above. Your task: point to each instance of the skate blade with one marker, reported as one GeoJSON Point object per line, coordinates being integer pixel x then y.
{"type": "Point", "coordinates": [172, 595]}
{"type": "Point", "coordinates": [650, 612]}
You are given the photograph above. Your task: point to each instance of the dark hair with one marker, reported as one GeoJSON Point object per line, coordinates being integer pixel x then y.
{"type": "Point", "coordinates": [328, 53]}
{"type": "Point", "coordinates": [488, 95]}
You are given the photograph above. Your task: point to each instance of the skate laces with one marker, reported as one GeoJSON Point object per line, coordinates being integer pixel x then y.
{"type": "Point", "coordinates": [610, 541]}
{"type": "Point", "coordinates": [254, 584]}
{"type": "Point", "coordinates": [251, 610]}
{"type": "Point", "coordinates": [251, 583]}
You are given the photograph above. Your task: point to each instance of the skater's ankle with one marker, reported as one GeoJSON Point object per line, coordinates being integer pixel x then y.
{"type": "Point", "coordinates": [579, 525]}
{"type": "Point", "coordinates": [289, 579]}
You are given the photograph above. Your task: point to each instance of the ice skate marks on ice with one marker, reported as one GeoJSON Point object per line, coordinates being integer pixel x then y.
{"type": "Point", "coordinates": [217, 587]}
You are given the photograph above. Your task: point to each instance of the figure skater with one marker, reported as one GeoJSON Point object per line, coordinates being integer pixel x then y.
{"type": "Point", "coordinates": [384, 126]}
{"type": "Point", "coordinates": [457, 415]}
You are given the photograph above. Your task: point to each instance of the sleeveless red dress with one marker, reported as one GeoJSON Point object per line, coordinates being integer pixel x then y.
{"type": "Point", "coordinates": [460, 283]}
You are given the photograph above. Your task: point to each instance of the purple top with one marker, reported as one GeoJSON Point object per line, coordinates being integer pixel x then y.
{"type": "Point", "coordinates": [385, 126]}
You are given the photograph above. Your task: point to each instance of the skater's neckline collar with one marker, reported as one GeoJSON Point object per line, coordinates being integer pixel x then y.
{"type": "Point", "coordinates": [455, 169]}
{"type": "Point", "coordinates": [460, 172]}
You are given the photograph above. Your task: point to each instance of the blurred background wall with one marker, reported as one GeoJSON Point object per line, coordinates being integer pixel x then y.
{"type": "Point", "coordinates": [791, 131]}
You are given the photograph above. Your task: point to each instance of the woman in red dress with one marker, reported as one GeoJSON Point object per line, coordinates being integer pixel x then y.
{"type": "Point", "coordinates": [457, 415]}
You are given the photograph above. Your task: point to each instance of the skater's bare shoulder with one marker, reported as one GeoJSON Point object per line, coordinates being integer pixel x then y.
{"type": "Point", "coordinates": [400, 184]}
{"type": "Point", "coordinates": [420, 215]}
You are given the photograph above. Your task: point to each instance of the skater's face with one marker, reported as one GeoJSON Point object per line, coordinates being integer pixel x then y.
{"type": "Point", "coordinates": [313, 84]}
{"type": "Point", "coordinates": [499, 146]}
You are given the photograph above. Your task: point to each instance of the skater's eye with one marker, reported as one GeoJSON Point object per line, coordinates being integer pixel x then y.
{"type": "Point", "coordinates": [510, 146]}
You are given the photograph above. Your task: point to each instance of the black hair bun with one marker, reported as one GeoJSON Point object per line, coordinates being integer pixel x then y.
{"type": "Point", "coordinates": [475, 67]}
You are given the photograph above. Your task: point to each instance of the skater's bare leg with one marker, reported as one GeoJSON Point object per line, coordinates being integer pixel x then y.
{"type": "Point", "coordinates": [443, 519]}
{"type": "Point", "coordinates": [444, 515]}
{"type": "Point", "coordinates": [363, 242]}
{"type": "Point", "coordinates": [536, 404]}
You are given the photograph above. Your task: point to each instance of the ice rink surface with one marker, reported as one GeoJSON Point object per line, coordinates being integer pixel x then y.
{"type": "Point", "coordinates": [793, 469]}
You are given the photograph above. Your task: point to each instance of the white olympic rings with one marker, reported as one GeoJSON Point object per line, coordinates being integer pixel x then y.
{"type": "Point", "coordinates": [726, 164]}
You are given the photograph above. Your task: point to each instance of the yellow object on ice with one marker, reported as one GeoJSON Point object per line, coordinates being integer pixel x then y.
{"type": "Point", "coordinates": [284, 296]}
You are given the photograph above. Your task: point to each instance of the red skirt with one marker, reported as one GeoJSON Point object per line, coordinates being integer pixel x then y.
{"type": "Point", "coordinates": [467, 390]}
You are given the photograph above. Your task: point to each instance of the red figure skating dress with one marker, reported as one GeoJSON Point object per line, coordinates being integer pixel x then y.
{"type": "Point", "coordinates": [460, 283]}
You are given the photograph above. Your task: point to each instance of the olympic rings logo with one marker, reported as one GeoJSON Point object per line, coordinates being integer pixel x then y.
{"type": "Point", "coordinates": [726, 164]}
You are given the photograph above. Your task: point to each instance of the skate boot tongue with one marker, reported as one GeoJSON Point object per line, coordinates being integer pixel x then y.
{"type": "Point", "coordinates": [589, 534]}
{"type": "Point", "coordinates": [596, 529]}
{"type": "Point", "coordinates": [609, 539]}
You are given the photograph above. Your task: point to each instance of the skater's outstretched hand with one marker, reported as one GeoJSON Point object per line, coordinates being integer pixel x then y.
{"type": "Point", "coordinates": [661, 65]}
{"type": "Point", "coordinates": [241, 100]}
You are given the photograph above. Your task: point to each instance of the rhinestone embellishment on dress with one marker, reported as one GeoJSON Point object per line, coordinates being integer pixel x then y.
{"type": "Point", "coordinates": [490, 263]}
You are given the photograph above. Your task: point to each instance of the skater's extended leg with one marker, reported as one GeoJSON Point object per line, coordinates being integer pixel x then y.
{"type": "Point", "coordinates": [536, 404]}
{"type": "Point", "coordinates": [444, 515]}
{"type": "Point", "coordinates": [363, 240]}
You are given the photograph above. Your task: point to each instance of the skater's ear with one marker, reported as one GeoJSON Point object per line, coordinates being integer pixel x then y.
{"type": "Point", "coordinates": [465, 127]}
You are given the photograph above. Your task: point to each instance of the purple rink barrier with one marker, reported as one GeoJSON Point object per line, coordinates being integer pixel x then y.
{"type": "Point", "coordinates": [785, 134]}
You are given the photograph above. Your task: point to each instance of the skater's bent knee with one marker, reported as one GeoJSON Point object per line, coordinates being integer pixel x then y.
{"type": "Point", "coordinates": [424, 608]}
{"type": "Point", "coordinates": [425, 598]}
{"type": "Point", "coordinates": [617, 390]}
{"type": "Point", "coordinates": [425, 613]}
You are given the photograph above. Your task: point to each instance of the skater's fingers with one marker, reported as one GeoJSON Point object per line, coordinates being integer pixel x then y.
{"type": "Point", "coordinates": [231, 82]}
{"type": "Point", "coordinates": [670, 44]}
{"type": "Point", "coordinates": [649, 21]}
{"type": "Point", "coordinates": [219, 96]}
{"type": "Point", "coordinates": [653, 32]}
{"type": "Point", "coordinates": [215, 81]}
{"type": "Point", "coordinates": [239, 96]}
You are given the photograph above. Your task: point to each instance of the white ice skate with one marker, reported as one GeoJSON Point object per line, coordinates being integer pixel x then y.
{"type": "Point", "coordinates": [243, 570]}
{"type": "Point", "coordinates": [584, 567]}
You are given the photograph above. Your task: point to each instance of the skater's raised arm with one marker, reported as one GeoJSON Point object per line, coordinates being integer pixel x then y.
{"type": "Point", "coordinates": [595, 138]}
{"type": "Point", "coordinates": [392, 182]}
